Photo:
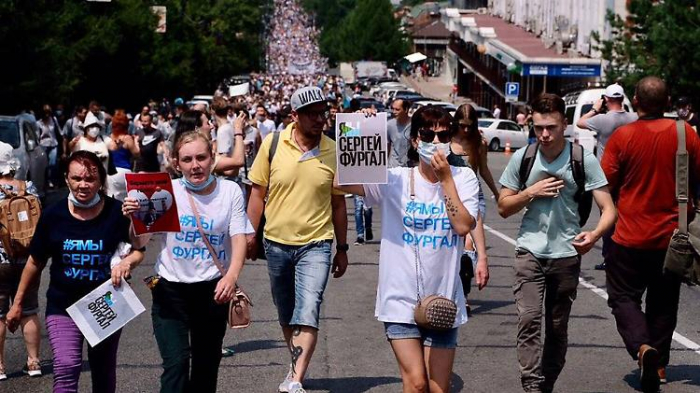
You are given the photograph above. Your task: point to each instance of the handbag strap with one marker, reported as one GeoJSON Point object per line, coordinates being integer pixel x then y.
{"type": "Point", "coordinates": [205, 239]}
{"type": "Point", "coordinates": [682, 178]}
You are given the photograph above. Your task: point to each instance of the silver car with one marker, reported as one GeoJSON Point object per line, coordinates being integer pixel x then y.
{"type": "Point", "coordinates": [21, 133]}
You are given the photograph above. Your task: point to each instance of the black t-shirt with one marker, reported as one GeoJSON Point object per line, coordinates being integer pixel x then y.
{"type": "Point", "coordinates": [695, 122]}
{"type": "Point", "coordinates": [80, 251]}
{"type": "Point", "coordinates": [148, 143]}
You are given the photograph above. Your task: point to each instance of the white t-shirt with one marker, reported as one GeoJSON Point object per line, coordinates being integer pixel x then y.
{"type": "Point", "coordinates": [184, 257]}
{"type": "Point", "coordinates": [266, 127]}
{"type": "Point", "coordinates": [225, 139]}
{"type": "Point", "coordinates": [439, 247]}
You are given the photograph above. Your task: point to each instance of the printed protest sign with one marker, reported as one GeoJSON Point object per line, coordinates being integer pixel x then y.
{"type": "Point", "coordinates": [157, 209]}
{"type": "Point", "coordinates": [361, 148]}
{"type": "Point", "coordinates": [105, 310]}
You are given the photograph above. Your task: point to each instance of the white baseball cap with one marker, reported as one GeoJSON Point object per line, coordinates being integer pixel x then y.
{"type": "Point", "coordinates": [614, 91]}
{"type": "Point", "coordinates": [306, 96]}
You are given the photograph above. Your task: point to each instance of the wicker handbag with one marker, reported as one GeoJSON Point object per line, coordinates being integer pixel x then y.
{"type": "Point", "coordinates": [239, 307]}
{"type": "Point", "coordinates": [432, 312]}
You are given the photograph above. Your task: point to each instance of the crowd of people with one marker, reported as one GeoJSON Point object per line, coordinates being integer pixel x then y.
{"type": "Point", "coordinates": [241, 164]}
{"type": "Point", "coordinates": [291, 27]}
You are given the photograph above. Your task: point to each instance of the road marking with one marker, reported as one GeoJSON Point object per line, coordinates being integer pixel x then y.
{"type": "Point", "coordinates": [677, 337]}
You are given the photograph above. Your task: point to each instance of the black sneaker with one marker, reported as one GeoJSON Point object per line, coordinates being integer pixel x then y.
{"type": "Point", "coordinates": [360, 240]}
{"type": "Point", "coordinates": [600, 266]}
{"type": "Point", "coordinates": [368, 234]}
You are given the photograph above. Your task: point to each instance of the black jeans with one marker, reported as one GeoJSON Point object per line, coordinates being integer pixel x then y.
{"type": "Point", "coordinates": [188, 324]}
{"type": "Point", "coordinates": [629, 273]}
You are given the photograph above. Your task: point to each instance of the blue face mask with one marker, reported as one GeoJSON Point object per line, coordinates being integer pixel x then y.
{"type": "Point", "coordinates": [194, 187]}
{"type": "Point", "coordinates": [94, 201]}
{"type": "Point", "coordinates": [427, 150]}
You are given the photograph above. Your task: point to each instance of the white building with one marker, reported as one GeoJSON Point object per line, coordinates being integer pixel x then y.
{"type": "Point", "coordinates": [561, 23]}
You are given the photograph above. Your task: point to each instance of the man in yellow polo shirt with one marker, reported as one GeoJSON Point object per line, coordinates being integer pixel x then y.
{"type": "Point", "coordinates": [302, 214]}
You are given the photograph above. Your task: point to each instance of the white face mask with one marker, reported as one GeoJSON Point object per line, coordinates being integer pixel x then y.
{"type": "Point", "coordinates": [93, 132]}
{"type": "Point", "coordinates": [427, 150]}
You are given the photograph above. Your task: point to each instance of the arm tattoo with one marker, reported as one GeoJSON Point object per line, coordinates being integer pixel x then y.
{"type": "Point", "coordinates": [451, 207]}
{"type": "Point", "coordinates": [296, 351]}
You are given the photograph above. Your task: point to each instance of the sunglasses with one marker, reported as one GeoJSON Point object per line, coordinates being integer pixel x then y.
{"type": "Point", "coordinates": [325, 114]}
{"type": "Point", "coordinates": [427, 135]}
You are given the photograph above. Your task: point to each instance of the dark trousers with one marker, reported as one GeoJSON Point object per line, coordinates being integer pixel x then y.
{"type": "Point", "coordinates": [629, 273]}
{"type": "Point", "coordinates": [550, 283]}
{"type": "Point", "coordinates": [189, 328]}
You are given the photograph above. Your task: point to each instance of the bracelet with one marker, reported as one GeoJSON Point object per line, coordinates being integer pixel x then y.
{"type": "Point", "coordinates": [239, 134]}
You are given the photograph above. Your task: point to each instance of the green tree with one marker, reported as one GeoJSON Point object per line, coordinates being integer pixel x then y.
{"type": "Point", "coordinates": [71, 51]}
{"type": "Point", "coordinates": [358, 30]}
{"type": "Point", "coordinates": [656, 39]}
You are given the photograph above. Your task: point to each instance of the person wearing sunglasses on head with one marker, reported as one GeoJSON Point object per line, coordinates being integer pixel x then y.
{"type": "Point", "coordinates": [427, 211]}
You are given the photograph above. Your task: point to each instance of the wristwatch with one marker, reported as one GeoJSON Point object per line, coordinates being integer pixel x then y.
{"type": "Point", "coordinates": [342, 247]}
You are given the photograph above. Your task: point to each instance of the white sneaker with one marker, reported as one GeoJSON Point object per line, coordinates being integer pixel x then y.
{"type": "Point", "coordinates": [295, 387]}
{"type": "Point", "coordinates": [284, 386]}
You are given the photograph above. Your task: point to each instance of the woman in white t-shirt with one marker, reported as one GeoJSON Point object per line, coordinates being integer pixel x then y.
{"type": "Point", "coordinates": [190, 299]}
{"type": "Point", "coordinates": [426, 212]}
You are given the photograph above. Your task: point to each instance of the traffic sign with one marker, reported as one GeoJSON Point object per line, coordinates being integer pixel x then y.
{"type": "Point", "coordinates": [512, 91]}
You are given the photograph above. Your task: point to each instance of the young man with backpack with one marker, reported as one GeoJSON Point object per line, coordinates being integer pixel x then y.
{"type": "Point", "coordinates": [554, 182]}
{"type": "Point", "coordinates": [19, 214]}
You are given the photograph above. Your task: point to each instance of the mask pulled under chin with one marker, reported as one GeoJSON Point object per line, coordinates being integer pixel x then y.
{"type": "Point", "coordinates": [94, 201]}
{"type": "Point", "coordinates": [197, 187]}
{"type": "Point", "coordinates": [427, 150]}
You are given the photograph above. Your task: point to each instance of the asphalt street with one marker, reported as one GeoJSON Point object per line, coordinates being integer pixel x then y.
{"type": "Point", "coordinates": [353, 355]}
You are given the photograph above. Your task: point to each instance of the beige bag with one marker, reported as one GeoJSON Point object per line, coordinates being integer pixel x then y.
{"type": "Point", "coordinates": [239, 307]}
{"type": "Point", "coordinates": [433, 312]}
{"type": "Point", "coordinates": [19, 215]}
{"type": "Point", "coordinates": [683, 254]}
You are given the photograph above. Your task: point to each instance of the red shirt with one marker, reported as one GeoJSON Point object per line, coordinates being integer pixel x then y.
{"type": "Point", "coordinates": [640, 164]}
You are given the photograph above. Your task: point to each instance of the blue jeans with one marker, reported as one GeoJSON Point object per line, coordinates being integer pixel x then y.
{"type": "Point", "coordinates": [446, 339]}
{"type": "Point", "coordinates": [298, 277]}
{"type": "Point", "coordinates": [363, 216]}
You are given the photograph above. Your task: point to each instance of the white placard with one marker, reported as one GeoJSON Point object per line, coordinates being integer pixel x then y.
{"type": "Point", "coordinates": [239, 90]}
{"type": "Point", "coordinates": [105, 310]}
{"type": "Point", "coordinates": [361, 148]}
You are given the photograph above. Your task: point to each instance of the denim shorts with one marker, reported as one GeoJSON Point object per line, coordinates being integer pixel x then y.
{"type": "Point", "coordinates": [446, 339]}
{"type": "Point", "coordinates": [298, 277]}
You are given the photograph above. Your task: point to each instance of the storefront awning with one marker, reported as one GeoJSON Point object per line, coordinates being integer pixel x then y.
{"type": "Point", "coordinates": [415, 57]}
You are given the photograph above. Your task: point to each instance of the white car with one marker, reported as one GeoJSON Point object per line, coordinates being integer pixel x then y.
{"type": "Point", "coordinates": [448, 106]}
{"type": "Point", "coordinates": [499, 132]}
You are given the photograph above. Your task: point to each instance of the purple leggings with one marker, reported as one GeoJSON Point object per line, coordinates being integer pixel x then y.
{"type": "Point", "coordinates": [67, 347]}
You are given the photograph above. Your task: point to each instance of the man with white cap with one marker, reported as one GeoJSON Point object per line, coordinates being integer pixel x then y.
{"type": "Point", "coordinates": [605, 121]}
{"type": "Point", "coordinates": [294, 169]}
{"type": "Point", "coordinates": [604, 124]}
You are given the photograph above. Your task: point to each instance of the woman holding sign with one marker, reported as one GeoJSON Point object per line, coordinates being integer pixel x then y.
{"type": "Point", "coordinates": [426, 210]}
{"type": "Point", "coordinates": [190, 295]}
{"type": "Point", "coordinates": [80, 234]}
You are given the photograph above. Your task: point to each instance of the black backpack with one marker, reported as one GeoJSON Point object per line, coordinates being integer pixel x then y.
{"type": "Point", "coordinates": [583, 198]}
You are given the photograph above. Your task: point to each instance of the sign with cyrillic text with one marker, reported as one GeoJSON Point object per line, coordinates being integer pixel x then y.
{"type": "Point", "coordinates": [361, 148]}
{"type": "Point", "coordinates": [105, 310]}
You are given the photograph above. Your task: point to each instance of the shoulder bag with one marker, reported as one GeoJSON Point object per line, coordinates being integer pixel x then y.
{"type": "Point", "coordinates": [682, 257]}
{"type": "Point", "coordinates": [239, 307]}
{"type": "Point", "coordinates": [432, 312]}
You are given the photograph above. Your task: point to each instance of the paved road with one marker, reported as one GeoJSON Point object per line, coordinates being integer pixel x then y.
{"type": "Point", "coordinates": [353, 356]}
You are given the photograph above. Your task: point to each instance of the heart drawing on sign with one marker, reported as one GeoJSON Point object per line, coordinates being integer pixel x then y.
{"type": "Point", "coordinates": [151, 209]}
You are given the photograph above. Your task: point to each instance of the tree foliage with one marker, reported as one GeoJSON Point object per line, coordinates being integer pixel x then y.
{"type": "Point", "coordinates": [359, 30]}
{"type": "Point", "coordinates": [657, 39]}
{"type": "Point", "coordinates": [71, 51]}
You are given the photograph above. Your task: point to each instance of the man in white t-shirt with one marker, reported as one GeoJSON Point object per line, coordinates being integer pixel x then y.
{"type": "Point", "coordinates": [265, 125]}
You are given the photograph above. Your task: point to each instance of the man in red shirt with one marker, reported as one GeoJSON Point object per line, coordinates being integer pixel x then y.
{"type": "Point", "coordinates": [639, 162]}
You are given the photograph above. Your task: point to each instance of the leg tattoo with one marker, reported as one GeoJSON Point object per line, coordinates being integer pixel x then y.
{"type": "Point", "coordinates": [296, 351]}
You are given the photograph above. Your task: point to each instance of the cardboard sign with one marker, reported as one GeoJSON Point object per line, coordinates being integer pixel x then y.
{"type": "Point", "coordinates": [157, 209]}
{"type": "Point", "coordinates": [361, 148]}
{"type": "Point", "coordinates": [105, 310]}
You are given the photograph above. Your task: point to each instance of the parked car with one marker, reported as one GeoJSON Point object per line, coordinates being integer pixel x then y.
{"type": "Point", "coordinates": [577, 104]}
{"type": "Point", "coordinates": [448, 106]}
{"type": "Point", "coordinates": [482, 113]}
{"type": "Point", "coordinates": [498, 132]}
{"type": "Point", "coordinates": [22, 134]}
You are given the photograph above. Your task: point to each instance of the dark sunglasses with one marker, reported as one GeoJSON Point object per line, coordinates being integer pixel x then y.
{"type": "Point", "coordinates": [325, 114]}
{"type": "Point", "coordinates": [427, 135]}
